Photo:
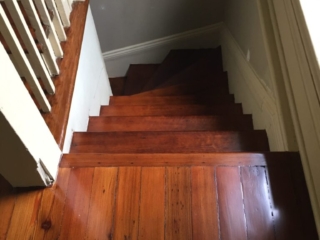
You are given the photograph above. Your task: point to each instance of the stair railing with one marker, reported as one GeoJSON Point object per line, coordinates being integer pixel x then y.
{"type": "Point", "coordinates": [31, 32]}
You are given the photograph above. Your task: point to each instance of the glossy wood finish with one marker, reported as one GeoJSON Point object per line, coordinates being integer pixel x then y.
{"type": "Point", "coordinates": [137, 77]}
{"type": "Point", "coordinates": [174, 100]}
{"type": "Point", "coordinates": [171, 110]}
{"type": "Point", "coordinates": [170, 123]}
{"type": "Point", "coordinates": [57, 119]}
{"type": "Point", "coordinates": [117, 85]}
{"type": "Point", "coordinates": [169, 142]}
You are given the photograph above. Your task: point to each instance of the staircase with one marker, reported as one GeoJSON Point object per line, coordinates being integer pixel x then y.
{"type": "Point", "coordinates": [174, 157]}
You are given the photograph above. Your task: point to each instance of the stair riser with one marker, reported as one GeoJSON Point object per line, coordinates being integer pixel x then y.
{"type": "Point", "coordinates": [171, 110]}
{"type": "Point", "coordinates": [206, 100]}
{"type": "Point", "coordinates": [166, 142]}
{"type": "Point", "coordinates": [128, 124]}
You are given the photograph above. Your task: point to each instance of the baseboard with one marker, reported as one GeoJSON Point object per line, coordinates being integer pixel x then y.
{"type": "Point", "coordinates": [256, 98]}
{"type": "Point", "coordinates": [118, 61]}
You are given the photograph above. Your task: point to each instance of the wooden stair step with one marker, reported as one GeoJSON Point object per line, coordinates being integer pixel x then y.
{"type": "Point", "coordinates": [117, 85]}
{"type": "Point", "coordinates": [201, 70]}
{"type": "Point", "coordinates": [169, 142]}
{"type": "Point", "coordinates": [174, 100]}
{"type": "Point", "coordinates": [177, 110]}
{"type": "Point", "coordinates": [137, 77]}
{"type": "Point", "coordinates": [176, 159]}
{"type": "Point", "coordinates": [178, 60]}
{"type": "Point", "coordinates": [213, 88]}
{"type": "Point", "coordinates": [171, 123]}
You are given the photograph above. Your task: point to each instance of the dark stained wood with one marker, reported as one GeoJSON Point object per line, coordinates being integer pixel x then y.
{"type": "Point", "coordinates": [77, 204]}
{"type": "Point", "coordinates": [52, 208]}
{"type": "Point", "coordinates": [178, 60]}
{"type": "Point", "coordinates": [126, 222]}
{"type": "Point", "coordinates": [170, 123]}
{"type": "Point", "coordinates": [171, 110]}
{"type": "Point", "coordinates": [167, 159]}
{"type": "Point", "coordinates": [24, 216]}
{"type": "Point", "coordinates": [57, 119]}
{"type": "Point", "coordinates": [231, 213]}
{"type": "Point", "coordinates": [205, 220]}
{"type": "Point", "coordinates": [102, 204]}
{"type": "Point", "coordinates": [178, 224]}
{"type": "Point", "coordinates": [7, 202]}
{"type": "Point", "coordinates": [188, 89]}
{"type": "Point", "coordinates": [257, 204]}
{"type": "Point", "coordinates": [152, 203]}
{"type": "Point", "coordinates": [169, 142]}
{"type": "Point", "coordinates": [117, 85]}
{"type": "Point", "coordinates": [286, 206]}
{"type": "Point", "coordinates": [137, 77]}
{"type": "Point", "coordinates": [174, 100]}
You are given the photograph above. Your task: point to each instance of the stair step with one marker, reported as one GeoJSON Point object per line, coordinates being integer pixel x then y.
{"type": "Point", "coordinates": [171, 123]}
{"type": "Point", "coordinates": [201, 70]}
{"type": "Point", "coordinates": [177, 110]}
{"type": "Point", "coordinates": [174, 100]}
{"type": "Point", "coordinates": [178, 60]}
{"type": "Point", "coordinates": [169, 142]}
{"type": "Point", "coordinates": [218, 87]}
{"type": "Point", "coordinates": [117, 85]}
{"type": "Point", "coordinates": [181, 159]}
{"type": "Point", "coordinates": [137, 77]}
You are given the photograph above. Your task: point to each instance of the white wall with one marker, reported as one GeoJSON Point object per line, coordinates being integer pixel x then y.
{"type": "Point", "coordinates": [92, 87]}
{"type": "Point", "coordinates": [129, 22]}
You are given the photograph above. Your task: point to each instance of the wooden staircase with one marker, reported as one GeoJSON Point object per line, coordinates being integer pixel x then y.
{"type": "Point", "coordinates": [176, 158]}
{"type": "Point", "coordinates": [172, 157]}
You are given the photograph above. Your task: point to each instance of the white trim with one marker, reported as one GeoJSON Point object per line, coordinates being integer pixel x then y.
{"type": "Point", "coordinates": [114, 54]}
{"type": "Point", "coordinates": [300, 87]}
{"type": "Point", "coordinates": [256, 98]}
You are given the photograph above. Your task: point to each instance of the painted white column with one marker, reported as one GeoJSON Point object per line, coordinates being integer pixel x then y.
{"type": "Point", "coordinates": [29, 155]}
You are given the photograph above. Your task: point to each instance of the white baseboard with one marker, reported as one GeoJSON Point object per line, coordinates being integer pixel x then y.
{"type": "Point", "coordinates": [251, 91]}
{"type": "Point", "coordinates": [118, 61]}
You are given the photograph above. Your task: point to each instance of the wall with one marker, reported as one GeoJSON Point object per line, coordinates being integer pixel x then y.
{"type": "Point", "coordinates": [129, 22]}
{"type": "Point", "coordinates": [92, 87]}
{"type": "Point", "coordinates": [242, 19]}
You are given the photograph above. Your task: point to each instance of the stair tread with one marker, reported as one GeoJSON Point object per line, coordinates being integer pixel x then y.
{"type": "Point", "coordinates": [176, 61]}
{"type": "Point", "coordinates": [154, 110]}
{"type": "Point", "coordinates": [188, 89]}
{"type": "Point", "coordinates": [175, 159]}
{"type": "Point", "coordinates": [170, 123]}
{"type": "Point", "coordinates": [170, 142]}
{"type": "Point", "coordinates": [137, 77]}
{"type": "Point", "coordinates": [184, 99]}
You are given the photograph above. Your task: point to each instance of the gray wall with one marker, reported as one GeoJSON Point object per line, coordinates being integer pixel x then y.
{"type": "Point", "coordinates": [242, 19]}
{"type": "Point", "coordinates": [122, 23]}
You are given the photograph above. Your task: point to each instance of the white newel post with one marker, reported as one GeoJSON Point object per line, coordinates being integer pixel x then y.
{"type": "Point", "coordinates": [29, 155]}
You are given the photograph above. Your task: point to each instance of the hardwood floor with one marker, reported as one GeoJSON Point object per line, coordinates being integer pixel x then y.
{"type": "Point", "coordinates": [174, 161]}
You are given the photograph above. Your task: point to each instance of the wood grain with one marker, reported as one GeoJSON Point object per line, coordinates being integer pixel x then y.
{"type": "Point", "coordinates": [152, 203]}
{"type": "Point", "coordinates": [170, 123]}
{"type": "Point", "coordinates": [174, 100]}
{"type": "Point", "coordinates": [57, 119]}
{"type": "Point", "coordinates": [170, 110]}
{"type": "Point", "coordinates": [169, 142]}
{"type": "Point", "coordinates": [231, 213]}
{"type": "Point", "coordinates": [257, 203]}
{"type": "Point", "coordinates": [52, 208]}
{"type": "Point", "coordinates": [102, 204]}
{"type": "Point", "coordinates": [117, 85]}
{"type": "Point", "coordinates": [204, 204]}
{"type": "Point", "coordinates": [167, 159]}
{"type": "Point", "coordinates": [7, 203]}
{"type": "Point", "coordinates": [24, 216]}
{"type": "Point", "coordinates": [178, 223]}
{"type": "Point", "coordinates": [126, 222]}
{"type": "Point", "coordinates": [77, 204]}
